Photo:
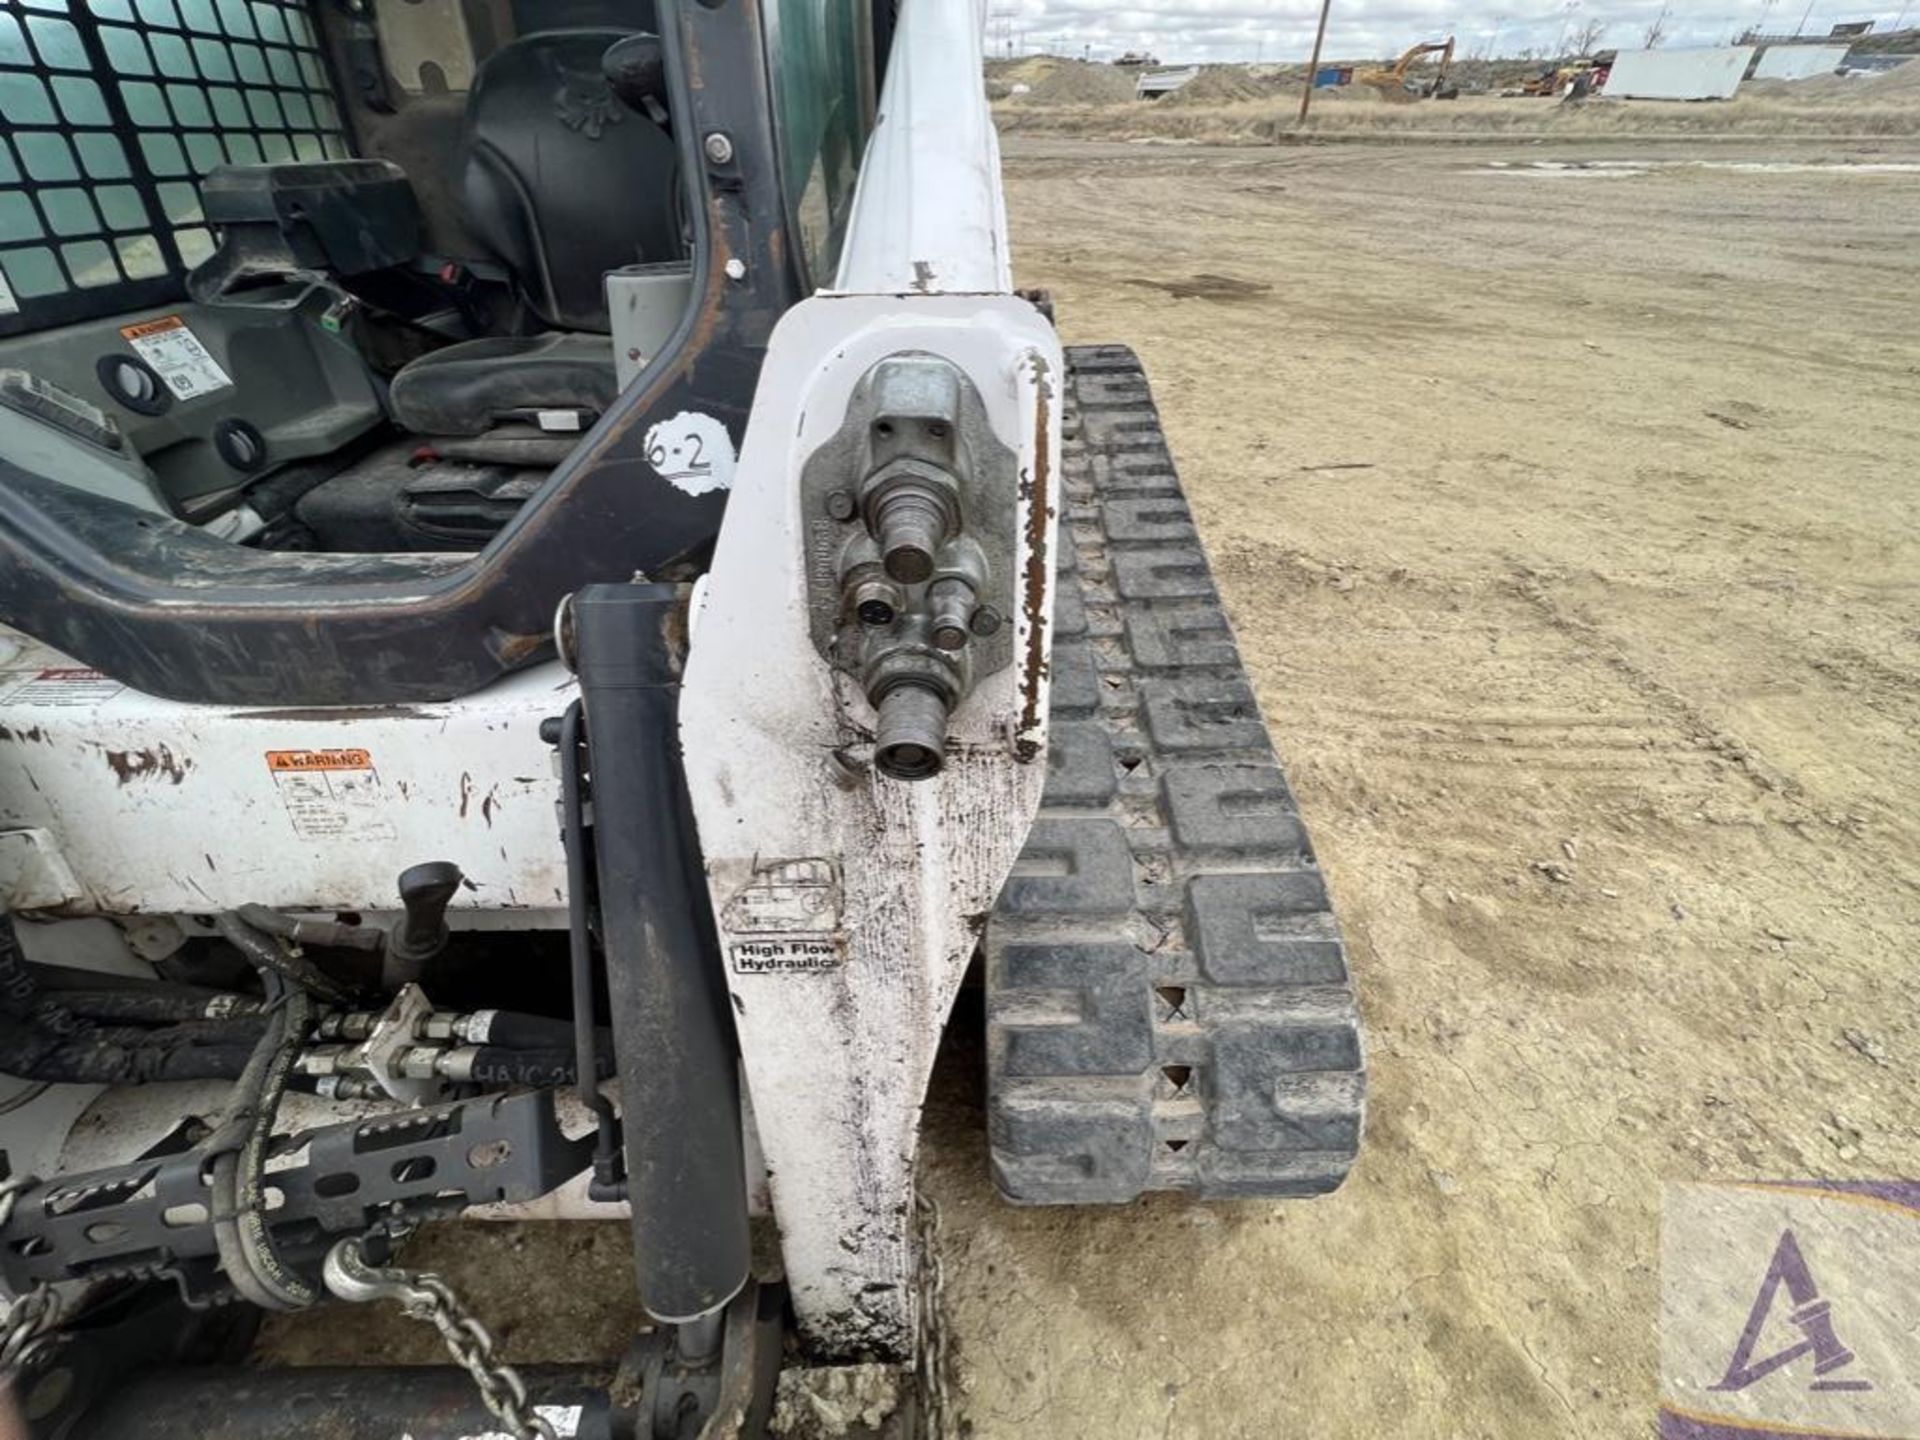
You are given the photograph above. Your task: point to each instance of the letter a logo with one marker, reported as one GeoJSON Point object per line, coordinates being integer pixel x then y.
{"type": "Point", "coordinates": [1813, 1317]}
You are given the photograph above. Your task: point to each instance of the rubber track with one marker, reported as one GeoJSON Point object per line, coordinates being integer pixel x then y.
{"type": "Point", "coordinates": [1168, 1001]}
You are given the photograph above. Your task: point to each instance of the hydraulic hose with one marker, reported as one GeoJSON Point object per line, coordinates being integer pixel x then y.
{"type": "Point", "coordinates": [265, 954]}
{"type": "Point", "coordinates": [492, 1067]}
{"type": "Point", "coordinates": [34, 1054]}
{"type": "Point", "coordinates": [239, 1146]}
{"type": "Point", "coordinates": [156, 1007]}
{"type": "Point", "coordinates": [513, 1030]}
{"type": "Point", "coordinates": [95, 995]}
{"type": "Point", "coordinates": [20, 996]}
{"type": "Point", "coordinates": [236, 1034]}
{"type": "Point", "coordinates": [609, 1181]}
{"type": "Point", "coordinates": [328, 934]}
{"type": "Point", "coordinates": [43, 1039]}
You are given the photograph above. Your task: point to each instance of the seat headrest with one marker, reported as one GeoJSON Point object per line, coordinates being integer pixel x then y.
{"type": "Point", "coordinates": [561, 181]}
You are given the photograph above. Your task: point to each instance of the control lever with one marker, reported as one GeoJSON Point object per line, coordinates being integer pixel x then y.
{"type": "Point", "coordinates": [636, 70]}
{"type": "Point", "coordinates": [421, 933]}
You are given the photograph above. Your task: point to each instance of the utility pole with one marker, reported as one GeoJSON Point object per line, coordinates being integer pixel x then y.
{"type": "Point", "coordinates": [1003, 17]}
{"type": "Point", "coordinates": [1313, 65]}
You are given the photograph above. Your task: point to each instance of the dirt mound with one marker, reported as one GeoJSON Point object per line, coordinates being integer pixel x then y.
{"type": "Point", "coordinates": [1346, 94]}
{"type": "Point", "coordinates": [1886, 106]}
{"type": "Point", "coordinates": [1027, 70]}
{"type": "Point", "coordinates": [1898, 86]}
{"type": "Point", "coordinates": [1073, 82]}
{"type": "Point", "coordinates": [1222, 85]}
{"type": "Point", "coordinates": [1903, 79]}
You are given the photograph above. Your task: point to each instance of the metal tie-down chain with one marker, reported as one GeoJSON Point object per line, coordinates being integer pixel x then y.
{"type": "Point", "coordinates": [425, 1296]}
{"type": "Point", "coordinates": [930, 1280]}
{"type": "Point", "coordinates": [30, 1319]}
{"type": "Point", "coordinates": [34, 1316]}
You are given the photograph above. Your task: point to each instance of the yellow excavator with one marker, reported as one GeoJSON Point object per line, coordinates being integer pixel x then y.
{"type": "Point", "coordinates": [1392, 80]}
{"type": "Point", "coordinates": [1564, 79]}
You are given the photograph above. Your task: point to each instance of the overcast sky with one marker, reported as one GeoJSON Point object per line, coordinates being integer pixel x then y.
{"type": "Point", "coordinates": [1182, 30]}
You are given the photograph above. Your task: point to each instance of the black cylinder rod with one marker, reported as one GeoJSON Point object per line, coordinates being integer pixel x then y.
{"type": "Point", "coordinates": [673, 1038]}
{"type": "Point", "coordinates": [427, 1402]}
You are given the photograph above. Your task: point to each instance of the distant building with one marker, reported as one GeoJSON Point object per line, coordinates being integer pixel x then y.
{"type": "Point", "coordinates": [1796, 62]}
{"type": "Point", "coordinates": [1851, 30]}
{"type": "Point", "coordinates": [1137, 59]}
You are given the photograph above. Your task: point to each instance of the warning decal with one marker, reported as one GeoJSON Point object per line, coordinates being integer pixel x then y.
{"type": "Point", "coordinates": [787, 897]}
{"type": "Point", "coordinates": [281, 760]}
{"type": "Point", "coordinates": [786, 919]}
{"type": "Point", "coordinates": [69, 685]}
{"type": "Point", "coordinates": [177, 356]}
{"type": "Point", "coordinates": [330, 793]}
{"type": "Point", "coordinates": [796, 955]}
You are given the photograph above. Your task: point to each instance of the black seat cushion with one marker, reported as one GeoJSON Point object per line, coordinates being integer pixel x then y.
{"type": "Point", "coordinates": [392, 500]}
{"type": "Point", "coordinates": [470, 387]}
{"type": "Point", "coordinates": [561, 181]}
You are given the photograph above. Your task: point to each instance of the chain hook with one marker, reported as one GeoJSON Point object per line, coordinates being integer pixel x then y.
{"type": "Point", "coordinates": [349, 1275]}
{"type": "Point", "coordinates": [30, 1319]}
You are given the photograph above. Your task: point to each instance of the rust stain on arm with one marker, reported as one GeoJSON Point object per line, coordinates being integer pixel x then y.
{"type": "Point", "coordinates": [1036, 489]}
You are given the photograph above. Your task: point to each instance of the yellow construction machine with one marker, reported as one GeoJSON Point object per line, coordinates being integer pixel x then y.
{"type": "Point", "coordinates": [1392, 80]}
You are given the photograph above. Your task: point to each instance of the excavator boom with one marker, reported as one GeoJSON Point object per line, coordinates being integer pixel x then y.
{"type": "Point", "coordinates": [1392, 80]}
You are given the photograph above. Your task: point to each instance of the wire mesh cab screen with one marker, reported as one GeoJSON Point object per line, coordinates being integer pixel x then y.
{"type": "Point", "coordinates": [110, 112]}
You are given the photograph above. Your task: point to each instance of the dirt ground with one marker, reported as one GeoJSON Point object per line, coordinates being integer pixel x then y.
{"type": "Point", "coordinates": [1599, 682]}
{"type": "Point", "coordinates": [1569, 523]}
{"type": "Point", "coordinates": [1231, 104]}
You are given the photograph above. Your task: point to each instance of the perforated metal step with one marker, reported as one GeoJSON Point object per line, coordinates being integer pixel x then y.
{"type": "Point", "coordinates": [1169, 1006]}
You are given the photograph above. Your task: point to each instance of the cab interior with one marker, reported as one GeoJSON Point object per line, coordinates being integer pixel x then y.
{"type": "Point", "coordinates": [347, 278]}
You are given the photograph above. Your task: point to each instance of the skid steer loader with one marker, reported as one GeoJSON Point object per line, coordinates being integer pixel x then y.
{"type": "Point", "coordinates": [554, 601]}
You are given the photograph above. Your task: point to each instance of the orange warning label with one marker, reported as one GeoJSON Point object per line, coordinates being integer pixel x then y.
{"type": "Point", "coordinates": [331, 794]}
{"type": "Point", "coordinates": [148, 328]}
{"type": "Point", "coordinates": [174, 353]}
{"type": "Point", "coordinates": [282, 761]}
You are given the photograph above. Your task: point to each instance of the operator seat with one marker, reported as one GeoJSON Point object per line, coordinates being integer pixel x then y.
{"type": "Point", "coordinates": [561, 182]}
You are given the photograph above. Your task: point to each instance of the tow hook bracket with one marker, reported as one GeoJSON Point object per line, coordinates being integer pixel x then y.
{"type": "Point", "coordinates": [150, 1217]}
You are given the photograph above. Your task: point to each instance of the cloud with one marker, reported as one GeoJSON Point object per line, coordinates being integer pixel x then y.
{"type": "Point", "coordinates": [1282, 30]}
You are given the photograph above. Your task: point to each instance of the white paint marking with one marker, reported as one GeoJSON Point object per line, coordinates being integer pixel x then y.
{"type": "Point", "coordinates": [692, 452]}
{"type": "Point", "coordinates": [1614, 169]}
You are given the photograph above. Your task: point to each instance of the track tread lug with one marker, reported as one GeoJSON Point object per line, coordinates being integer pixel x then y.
{"type": "Point", "coordinates": [1081, 868]}
{"type": "Point", "coordinates": [1079, 764]}
{"type": "Point", "coordinates": [1169, 1004]}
